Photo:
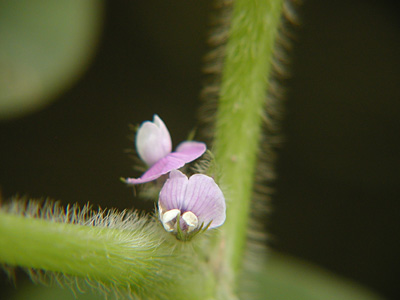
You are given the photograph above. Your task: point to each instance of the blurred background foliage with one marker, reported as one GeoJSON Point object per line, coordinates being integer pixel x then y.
{"type": "Point", "coordinates": [75, 74]}
{"type": "Point", "coordinates": [44, 47]}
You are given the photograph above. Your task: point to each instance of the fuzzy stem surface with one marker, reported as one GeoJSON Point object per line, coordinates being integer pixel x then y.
{"type": "Point", "coordinates": [247, 67]}
{"type": "Point", "coordinates": [136, 260]}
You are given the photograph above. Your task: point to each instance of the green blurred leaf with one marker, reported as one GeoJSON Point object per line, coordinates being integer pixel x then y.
{"type": "Point", "coordinates": [286, 278]}
{"type": "Point", "coordinates": [44, 47]}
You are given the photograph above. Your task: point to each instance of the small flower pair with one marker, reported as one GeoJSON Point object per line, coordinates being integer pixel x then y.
{"type": "Point", "coordinates": [186, 206]}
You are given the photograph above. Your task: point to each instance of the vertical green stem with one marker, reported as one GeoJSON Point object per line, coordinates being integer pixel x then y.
{"type": "Point", "coordinates": [247, 67]}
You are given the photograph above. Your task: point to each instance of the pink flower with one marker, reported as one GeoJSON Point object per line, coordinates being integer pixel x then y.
{"type": "Point", "coordinates": [153, 144]}
{"type": "Point", "coordinates": [197, 201]}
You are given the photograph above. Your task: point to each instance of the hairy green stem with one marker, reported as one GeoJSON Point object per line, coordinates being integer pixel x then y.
{"type": "Point", "coordinates": [247, 67]}
{"type": "Point", "coordinates": [136, 260]}
{"type": "Point", "coordinates": [61, 247]}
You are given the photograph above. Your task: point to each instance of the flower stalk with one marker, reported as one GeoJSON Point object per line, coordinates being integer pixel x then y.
{"type": "Point", "coordinates": [241, 109]}
{"type": "Point", "coordinates": [123, 254]}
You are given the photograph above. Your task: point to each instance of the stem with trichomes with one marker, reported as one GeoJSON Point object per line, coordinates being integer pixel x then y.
{"type": "Point", "coordinates": [247, 67]}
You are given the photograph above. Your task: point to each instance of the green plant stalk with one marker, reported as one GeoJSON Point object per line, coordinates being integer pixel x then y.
{"type": "Point", "coordinates": [131, 260]}
{"type": "Point", "coordinates": [247, 67]}
{"type": "Point", "coordinates": [59, 247]}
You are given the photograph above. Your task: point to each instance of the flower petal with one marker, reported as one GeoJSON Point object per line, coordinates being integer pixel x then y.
{"type": "Point", "coordinates": [168, 219]}
{"type": "Point", "coordinates": [204, 198]}
{"type": "Point", "coordinates": [173, 192]}
{"type": "Point", "coordinates": [153, 141]}
{"type": "Point", "coordinates": [189, 151]}
{"type": "Point", "coordinates": [163, 166]}
{"type": "Point", "coordinates": [166, 142]}
{"type": "Point", "coordinates": [189, 221]}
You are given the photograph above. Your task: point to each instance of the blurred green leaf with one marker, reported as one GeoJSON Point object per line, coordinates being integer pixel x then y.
{"type": "Point", "coordinates": [286, 278]}
{"type": "Point", "coordinates": [44, 47]}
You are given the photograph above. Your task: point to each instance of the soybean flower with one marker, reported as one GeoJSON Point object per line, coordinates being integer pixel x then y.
{"type": "Point", "coordinates": [187, 205]}
{"type": "Point", "coordinates": [153, 144]}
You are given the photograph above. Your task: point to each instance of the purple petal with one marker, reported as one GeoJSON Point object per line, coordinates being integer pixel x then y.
{"type": "Point", "coordinates": [189, 151]}
{"type": "Point", "coordinates": [205, 199]}
{"type": "Point", "coordinates": [172, 194]}
{"type": "Point", "coordinates": [163, 166]}
{"type": "Point", "coordinates": [153, 141]}
{"type": "Point", "coordinates": [166, 142]}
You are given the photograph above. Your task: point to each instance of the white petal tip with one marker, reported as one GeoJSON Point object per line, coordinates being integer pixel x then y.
{"type": "Point", "coordinates": [168, 219]}
{"type": "Point", "coordinates": [191, 220]}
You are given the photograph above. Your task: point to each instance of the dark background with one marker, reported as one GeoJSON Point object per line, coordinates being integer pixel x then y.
{"type": "Point", "coordinates": [337, 200]}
